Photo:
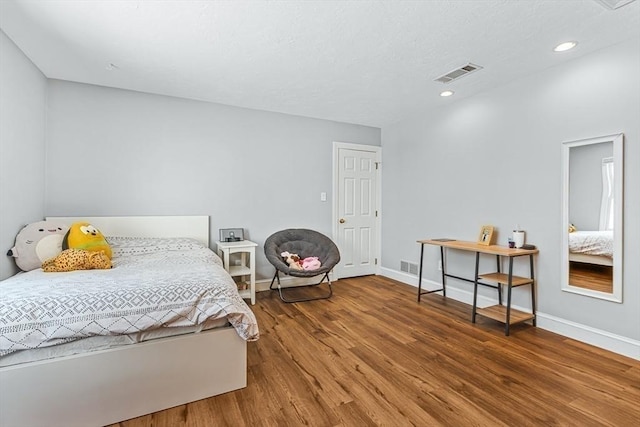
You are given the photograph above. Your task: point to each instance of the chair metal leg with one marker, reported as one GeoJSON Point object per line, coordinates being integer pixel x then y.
{"type": "Point", "coordinates": [275, 276]}
{"type": "Point", "coordinates": [281, 289]}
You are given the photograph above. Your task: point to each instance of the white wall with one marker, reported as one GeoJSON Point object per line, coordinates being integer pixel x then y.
{"type": "Point", "coordinates": [22, 139]}
{"type": "Point", "coordinates": [116, 152]}
{"type": "Point", "coordinates": [495, 158]}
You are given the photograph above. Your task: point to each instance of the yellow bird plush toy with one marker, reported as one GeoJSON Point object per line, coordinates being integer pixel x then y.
{"type": "Point", "coordinates": [83, 235]}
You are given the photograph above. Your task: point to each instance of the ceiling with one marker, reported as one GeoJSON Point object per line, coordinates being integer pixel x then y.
{"type": "Point", "coordinates": [364, 62]}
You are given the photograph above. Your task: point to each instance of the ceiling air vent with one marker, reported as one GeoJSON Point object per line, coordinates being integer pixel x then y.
{"type": "Point", "coordinates": [613, 4]}
{"type": "Point", "coordinates": [458, 72]}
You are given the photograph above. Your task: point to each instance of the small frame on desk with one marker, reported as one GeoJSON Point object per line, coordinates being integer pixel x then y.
{"type": "Point", "coordinates": [231, 234]}
{"type": "Point", "coordinates": [486, 235]}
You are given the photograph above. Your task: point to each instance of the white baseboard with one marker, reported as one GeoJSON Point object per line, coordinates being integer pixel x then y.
{"type": "Point", "coordinates": [599, 338]}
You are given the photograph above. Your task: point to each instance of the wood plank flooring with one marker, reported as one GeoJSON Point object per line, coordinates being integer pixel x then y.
{"type": "Point", "coordinates": [372, 355]}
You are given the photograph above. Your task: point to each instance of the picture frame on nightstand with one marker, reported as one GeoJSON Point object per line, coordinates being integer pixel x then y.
{"type": "Point", "coordinates": [231, 234]}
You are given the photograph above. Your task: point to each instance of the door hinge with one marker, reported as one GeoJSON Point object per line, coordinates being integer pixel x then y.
{"type": "Point", "coordinates": [375, 261]}
{"type": "Point", "coordinates": [377, 165]}
{"type": "Point", "coordinates": [376, 213]}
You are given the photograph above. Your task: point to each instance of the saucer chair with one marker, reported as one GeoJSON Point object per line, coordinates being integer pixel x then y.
{"type": "Point", "coordinates": [305, 243]}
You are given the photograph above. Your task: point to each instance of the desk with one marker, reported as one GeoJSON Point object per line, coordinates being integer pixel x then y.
{"type": "Point", "coordinates": [499, 312]}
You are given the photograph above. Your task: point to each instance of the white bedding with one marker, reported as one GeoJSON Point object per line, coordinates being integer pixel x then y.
{"type": "Point", "coordinates": [591, 243]}
{"type": "Point", "coordinates": [154, 283]}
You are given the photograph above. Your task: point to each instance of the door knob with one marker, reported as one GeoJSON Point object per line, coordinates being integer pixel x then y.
{"type": "Point", "coordinates": [342, 221]}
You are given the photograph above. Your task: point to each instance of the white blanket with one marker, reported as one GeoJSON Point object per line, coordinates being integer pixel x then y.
{"type": "Point", "coordinates": [591, 243]}
{"type": "Point", "coordinates": [154, 283]}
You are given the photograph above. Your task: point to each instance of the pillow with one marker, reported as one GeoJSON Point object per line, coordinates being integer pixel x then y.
{"type": "Point", "coordinates": [83, 235]}
{"type": "Point", "coordinates": [37, 242]}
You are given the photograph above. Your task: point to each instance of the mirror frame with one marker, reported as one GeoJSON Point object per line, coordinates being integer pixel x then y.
{"type": "Point", "coordinates": [618, 162]}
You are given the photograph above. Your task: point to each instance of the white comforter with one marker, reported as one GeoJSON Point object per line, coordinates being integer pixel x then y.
{"type": "Point", "coordinates": [591, 243]}
{"type": "Point", "coordinates": [154, 283]}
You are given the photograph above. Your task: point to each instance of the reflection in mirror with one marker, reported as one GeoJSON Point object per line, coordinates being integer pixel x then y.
{"type": "Point", "coordinates": [592, 217]}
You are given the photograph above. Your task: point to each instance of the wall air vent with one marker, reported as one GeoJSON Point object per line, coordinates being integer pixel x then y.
{"type": "Point", "coordinates": [409, 267]}
{"type": "Point", "coordinates": [458, 72]}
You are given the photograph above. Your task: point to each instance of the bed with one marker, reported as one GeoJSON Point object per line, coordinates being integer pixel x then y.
{"type": "Point", "coordinates": [592, 247]}
{"type": "Point", "coordinates": [171, 358]}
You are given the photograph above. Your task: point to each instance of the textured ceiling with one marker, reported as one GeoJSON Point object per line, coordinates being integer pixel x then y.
{"type": "Point", "coordinates": [362, 62]}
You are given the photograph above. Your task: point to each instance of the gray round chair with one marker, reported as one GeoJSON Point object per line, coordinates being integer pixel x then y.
{"type": "Point", "coordinates": [305, 243]}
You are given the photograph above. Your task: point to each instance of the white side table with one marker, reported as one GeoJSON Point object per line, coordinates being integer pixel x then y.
{"type": "Point", "coordinates": [247, 267]}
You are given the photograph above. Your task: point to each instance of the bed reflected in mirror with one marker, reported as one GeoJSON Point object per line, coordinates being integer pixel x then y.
{"type": "Point", "coordinates": [592, 217]}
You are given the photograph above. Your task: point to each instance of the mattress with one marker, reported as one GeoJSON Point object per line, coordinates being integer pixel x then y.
{"type": "Point", "coordinates": [591, 243]}
{"type": "Point", "coordinates": [102, 342]}
{"type": "Point", "coordinates": [154, 284]}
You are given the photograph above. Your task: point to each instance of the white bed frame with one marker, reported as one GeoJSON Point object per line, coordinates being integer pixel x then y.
{"type": "Point", "coordinates": [108, 386]}
{"type": "Point", "coordinates": [591, 259]}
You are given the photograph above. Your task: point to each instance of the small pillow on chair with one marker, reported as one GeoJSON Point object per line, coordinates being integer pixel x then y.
{"type": "Point", "coordinates": [311, 263]}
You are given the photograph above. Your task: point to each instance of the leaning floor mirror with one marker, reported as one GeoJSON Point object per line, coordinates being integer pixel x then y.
{"type": "Point", "coordinates": [592, 217]}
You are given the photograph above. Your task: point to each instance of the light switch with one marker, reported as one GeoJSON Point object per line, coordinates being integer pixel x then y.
{"type": "Point", "coordinates": [323, 196]}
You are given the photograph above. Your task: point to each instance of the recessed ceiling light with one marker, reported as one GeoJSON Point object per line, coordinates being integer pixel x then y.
{"type": "Point", "coordinates": [563, 47]}
{"type": "Point", "coordinates": [446, 93]}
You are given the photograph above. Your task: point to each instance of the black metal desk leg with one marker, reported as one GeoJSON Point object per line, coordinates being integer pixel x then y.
{"type": "Point", "coordinates": [420, 273]}
{"type": "Point", "coordinates": [508, 319]}
{"type": "Point", "coordinates": [499, 285]}
{"type": "Point", "coordinates": [533, 290]}
{"type": "Point", "coordinates": [444, 275]}
{"type": "Point", "coordinates": [475, 288]}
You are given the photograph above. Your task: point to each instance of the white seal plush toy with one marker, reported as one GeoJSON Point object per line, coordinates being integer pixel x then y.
{"type": "Point", "coordinates": [38, 242]}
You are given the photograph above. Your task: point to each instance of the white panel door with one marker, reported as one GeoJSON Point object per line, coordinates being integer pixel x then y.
{"type": "Point", "coordinates": [357, 215]}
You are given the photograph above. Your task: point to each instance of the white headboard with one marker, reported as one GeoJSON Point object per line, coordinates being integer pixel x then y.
{"type": "Point", "coordinates": [196, 227]}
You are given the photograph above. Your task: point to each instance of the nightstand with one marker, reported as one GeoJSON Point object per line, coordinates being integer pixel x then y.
{"type": "Point", "coordinates": [246, 267]}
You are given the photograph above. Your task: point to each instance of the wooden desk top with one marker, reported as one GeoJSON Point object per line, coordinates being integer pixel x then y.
{"type": "Point", "coordinates": [475, 247]}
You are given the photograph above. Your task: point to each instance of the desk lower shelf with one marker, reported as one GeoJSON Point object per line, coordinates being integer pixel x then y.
{"type": "Point", "coordinates": [499, 313]}
{"type": "Point", "coordinates": [502, 278]}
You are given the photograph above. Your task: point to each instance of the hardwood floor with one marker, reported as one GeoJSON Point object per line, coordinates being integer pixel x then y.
{"type": "Point", "coordinates": [372, 355]}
